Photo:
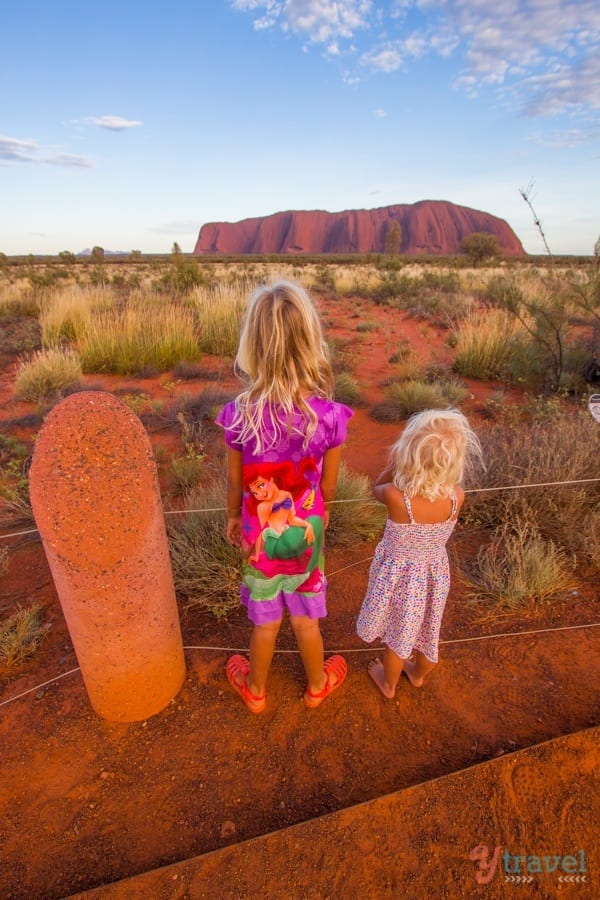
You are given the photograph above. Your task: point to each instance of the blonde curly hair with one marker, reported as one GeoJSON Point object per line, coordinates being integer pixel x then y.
{"type": "Point", "coordinates": [430, 456]}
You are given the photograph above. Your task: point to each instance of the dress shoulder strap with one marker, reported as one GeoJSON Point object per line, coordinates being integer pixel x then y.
{"type": "Point", "coordinates": [454, 506]}
{"type": "Point", "coordinates": [408, 506]}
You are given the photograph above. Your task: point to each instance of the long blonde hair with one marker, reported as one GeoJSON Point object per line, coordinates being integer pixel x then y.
{"type": "Point", "coordinates": [283, 357]}
{"type": "Point", "coordinates": [430, 456]}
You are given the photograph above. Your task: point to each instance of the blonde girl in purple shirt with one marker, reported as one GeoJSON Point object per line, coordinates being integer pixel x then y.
{"type": "Point", "coordinates": [284, 436]}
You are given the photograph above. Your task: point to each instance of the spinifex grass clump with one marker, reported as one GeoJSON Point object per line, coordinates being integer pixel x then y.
{"type": "Point", "coordinates": [15, 506]}
{"type": "Point", "coordinates": [346, 389]}
{"type": "Point", "coordinates": [20, 635]}
{"type": "Point", "coordinates": [144, 335]}
{"type": "Point", "coordinates": [518, 568]}
{"type": "Point", "coordinates": [219, 311]}
{"type": "Point", "coordinates": [356, 515]}
{"type": "Point", "coordinates": [65, 313]}
{"type": "Point", "coordinates": [47, 374]}
{"type": "Point", "coordinates": [483, 345]}
{"type": "Point", "coordinates": [206, 568]}
{"type": "Point", "coordinates": [404, 398]}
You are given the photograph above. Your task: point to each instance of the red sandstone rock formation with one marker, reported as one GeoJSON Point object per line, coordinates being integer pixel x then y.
{"type": "Point", "coordinates": [427, 227]}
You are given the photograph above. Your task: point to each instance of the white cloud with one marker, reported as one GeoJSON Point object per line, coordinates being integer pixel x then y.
{"type": "Point", "coordinates": [322, 21]}
{"type": "Point", "coordinates": [379, 113]}
{"type": "Point", "coordinates": [17, 151]}
{"type": "Point", "coordinates": [543, 54]}
{"type": "Point", "coordinates": [113, 123]}
{"type": "Point", "coordinates": [388, 59]}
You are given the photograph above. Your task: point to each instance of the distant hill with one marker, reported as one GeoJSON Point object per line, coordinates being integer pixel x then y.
{"type": "Point", "coordinates": [428, 227]}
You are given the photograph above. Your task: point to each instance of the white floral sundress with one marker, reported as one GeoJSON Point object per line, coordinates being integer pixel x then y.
{"type": "Point", "coordinates": [409, 581]}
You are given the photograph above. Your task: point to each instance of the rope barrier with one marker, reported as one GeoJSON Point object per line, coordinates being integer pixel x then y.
{"type": "Point", "coordinates": [346, 650]}
{"type": "Point", "coordinates": [508, 487]}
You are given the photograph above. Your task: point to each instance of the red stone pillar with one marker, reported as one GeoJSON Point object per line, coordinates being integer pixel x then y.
{"type": "Point", "coordinates": [96, 500]}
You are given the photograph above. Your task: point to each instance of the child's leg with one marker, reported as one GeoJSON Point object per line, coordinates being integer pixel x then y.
{"type": "Point", "coordinates": [310, 644]}
{"type": "Point", "coordinates": [386, 674]}
{"type": "Point", "coordinates": [419, 669]}
{"type": "Point", "coordinates": [262, 648]}
{"type": "Point", "coordinates": [323, 676]}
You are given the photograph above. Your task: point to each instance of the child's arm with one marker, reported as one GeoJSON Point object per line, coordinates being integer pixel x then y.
{"type": "Point", "coordinates": [329, 477]}
{"type": "Point", "coordinates": [234, 497]}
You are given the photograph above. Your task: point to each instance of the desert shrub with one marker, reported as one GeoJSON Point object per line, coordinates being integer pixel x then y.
{"type": "Point", "coordinates": [549, 443]}
{"type": "Point", "coordinates": [407, 397]}
{"type": "Point", "coordinates": [519, 567]}
{"type": "Point", "coordinates": [394, 287]}
{"type": "Point", "coordinates": [183, 276]}
{"type": "Point", "coordinates": [20, 635]}
{"type": "Point", "coordinates": [324, 278]}
{"type": "Point", "coordinates": [480, 246]}
{"type": "Point", "coordinates": [143, 335]}
{"type": "Point", "coordinates": [206, 568]}
{"type": "Point", "coordinates": [219, 312]}
{"type": "Point", "coordinates": [356, 515]}
{"type": "Point", "coordinates": [347, 389]}
{"type": "Point", "coordinates": [47, 374]}
{"type": "Point", "coordinates": [556, 312]}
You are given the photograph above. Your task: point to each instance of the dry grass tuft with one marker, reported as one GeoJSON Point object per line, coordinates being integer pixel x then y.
{"type": "Point", "coordinates": [519, 568]}
{"type": "Point", "coordinates": [357, 515]}
{"type": "Point", "coordinates": [47, 375]}
{"type": "Point", "coordinates": [206, 568]}
{"type": "Point", "coordinates": [20, 635]}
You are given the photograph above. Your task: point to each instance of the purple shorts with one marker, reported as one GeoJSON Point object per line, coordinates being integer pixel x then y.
{"type": "Point", "coordinates": [261, 612]}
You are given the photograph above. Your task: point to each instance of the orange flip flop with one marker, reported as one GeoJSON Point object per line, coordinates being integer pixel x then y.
{"type": "Point", "coordinates": [335, 665]}
{"type": "Point", "coordinates": [239, 666]}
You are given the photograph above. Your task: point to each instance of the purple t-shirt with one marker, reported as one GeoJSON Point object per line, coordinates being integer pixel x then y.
{"type": "Point", "coordinates": [282, 504]}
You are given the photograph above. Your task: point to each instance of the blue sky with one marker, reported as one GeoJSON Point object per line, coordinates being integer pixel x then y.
{"type": "Point", "coordinates": [130, 124]}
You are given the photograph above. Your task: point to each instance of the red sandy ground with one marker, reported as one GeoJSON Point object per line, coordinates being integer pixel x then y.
{"type": "Point", "coordinates": [85, 802]}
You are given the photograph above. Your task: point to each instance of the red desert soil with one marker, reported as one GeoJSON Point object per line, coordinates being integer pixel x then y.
{"type": "Point", "coordinates": [85, 802]}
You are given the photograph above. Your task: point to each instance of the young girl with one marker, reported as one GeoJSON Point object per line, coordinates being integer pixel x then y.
{"type": "Point", "coordinates": [284, 436]}
{"type": "Point", "coordinates": [409, 578]}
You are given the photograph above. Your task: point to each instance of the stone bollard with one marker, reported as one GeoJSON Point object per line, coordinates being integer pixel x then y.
{"type": "Point", "coordinates": [96, 500]}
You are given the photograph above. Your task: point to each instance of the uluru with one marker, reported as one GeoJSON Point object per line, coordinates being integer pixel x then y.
{"type": "Point", "coordinates": [429, 227]}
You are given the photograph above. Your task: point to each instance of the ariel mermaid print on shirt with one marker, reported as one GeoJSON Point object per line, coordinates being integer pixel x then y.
{"type": "Point", "coordinates": [283, 527]}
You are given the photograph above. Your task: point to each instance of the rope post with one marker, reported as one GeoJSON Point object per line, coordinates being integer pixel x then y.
{"type": "Point", "coordinates": [96, 500]}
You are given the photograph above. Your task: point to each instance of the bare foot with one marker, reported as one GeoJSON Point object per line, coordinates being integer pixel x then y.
{"type": "Point", "coordinates": [409, 670]}
{"type": "Point", "coordinates": [375, 669]}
